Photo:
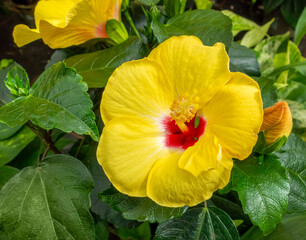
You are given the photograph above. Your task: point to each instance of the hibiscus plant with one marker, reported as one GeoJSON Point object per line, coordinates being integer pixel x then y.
{"type": "Point", "coordinates": [153, 119]}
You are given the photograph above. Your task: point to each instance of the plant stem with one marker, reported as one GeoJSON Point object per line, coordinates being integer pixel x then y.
{"type": "Point", "coordinates": [130, 20]}
{"type": "Point", "coordinates": [45, 137]}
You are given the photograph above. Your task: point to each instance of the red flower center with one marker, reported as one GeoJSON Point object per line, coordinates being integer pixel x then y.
{"type": "Point", "coordinates": [175, 138]}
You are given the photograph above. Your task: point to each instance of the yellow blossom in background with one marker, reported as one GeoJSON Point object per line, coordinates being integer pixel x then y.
{"type": "Point", "coordinates": [277, 122]}
{"type": "Point", "coordinates": [64, 23]}
{"type": "Point", "coordinates": [174, 121]}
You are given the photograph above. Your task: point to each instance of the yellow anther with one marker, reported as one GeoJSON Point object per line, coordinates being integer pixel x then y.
{"type": "Point", "coordinates": [183, 110]}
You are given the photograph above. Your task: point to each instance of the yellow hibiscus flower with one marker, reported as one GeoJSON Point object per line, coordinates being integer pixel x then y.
{"type": "Point", "coordinates": [63, 23]}
{"type": "Point", "coordinates": [174, 121]}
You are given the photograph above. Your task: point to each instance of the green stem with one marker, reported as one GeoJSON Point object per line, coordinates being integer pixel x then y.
{"type": "Point", "coordinates": [287, 67]}
{"type": "Point", "coordinates": [130, 20]}
{"type": "Point", "coordinates": [183, 5]}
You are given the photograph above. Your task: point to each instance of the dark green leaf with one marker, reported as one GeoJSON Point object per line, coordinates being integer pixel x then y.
{"type": "Point", "coordinates": [300, 30]}
{"type": "Point", "coordinates": [199, 223]}
{"type": "Point", "coordinates": [6, 173]}
{"type": "Point", "coordinates": [243, 60]}
{"type": "Point", "coordinates": [103, 210]}
{"type": "Point", "coordinates": [268, 91]}
{"type": "Point", "coordinates": [263, 190]}
{"type": "Point", "coordinates": [293, 157]}
{"type": "Point", "coordinates": [48, 202]}
{"type": "Point", "coordinates": [10, 147]}
{"type": "Point", "coordinates": [140, 209]}
{"type": "Point", "coordinates": [209, 25]}
{"type": "Point", "coordinates": [97, 67]}
{"type": "Point", "coordinates": [292, 227]}
{"type": "Point", "coordinates": [292, 9]}
{"type": "Point", "coordinates": [143, 232]}
{"type": "Point", "coordinates": [270, 5]}
{"type": "Point", "coordinates": [58, 99]}
{"type": "Point", "coordinates": [101, 229]}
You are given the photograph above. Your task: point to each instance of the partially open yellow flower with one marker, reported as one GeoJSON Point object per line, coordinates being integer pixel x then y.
{"type": "Point", "coordinates": [174, 121]}
{"type": "Point", "coordinates": [277, 122]}
{"type": "Point", "coordinates": [63, 23]}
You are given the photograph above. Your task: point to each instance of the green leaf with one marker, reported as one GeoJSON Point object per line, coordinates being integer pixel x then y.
{"type": "Point", "coordinates": [172, 7]}
{"type": "Point", "coordinates": [97, 67]}
{"type": "Point", "coordinates": [5, 63]}
{"type": "Point", "coordinates": [11, 147]}
{"type": "Point", "coordinates": [209, 25]}
{"type": "Point", "coordinates": [6, 97]}
{"type": "Point", "coordinates": [268, 91]}
{"type": "Point", "coordinates": [292, 227]}
{"type": "Point", "coordinates": [243, 60]}
{"type": "Point", "coordinates": [48, 202]}
{"type": "Point", "coordinates": [254, 36]}
{"type": "Point", "coordinates": [291, 10]}
{"type": "Point", "coordinates": [103, 210]}
{"type": "Point", "coordinates": [140, 209]}
{"type": "Point", "coordinates": [298, 111]}
{"type": "Point", "coordinates": [300, 29]}
{"type": "Point", "coordinates": [263, 190]}
{"type": "Point", "coordinates": [270, 5]}
{"type": "Point", "coordinates": [203, 4]}
{"type": "Point", "coordinates": [101, 230]}
{"type": "Point", "coordinates": [143, 232]}
{"type": "Point", "coordinates": [6, 173]}
{"type": "Point", "coordinates": [267, 49]}
{"type": "Point", "coordinates": [199, 223]}
{"type": "Point", "coordinates": [58, 99]}
{"type": "Point", "coordinates": [239, 23]}
{"type": "Point", "coordinates": [148, 2]}
{"type": "Point", "coordinates": [293, 157]}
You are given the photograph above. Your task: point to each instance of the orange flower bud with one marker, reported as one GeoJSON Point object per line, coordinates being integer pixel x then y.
{"type": "Point", "coordinates": [277, 122]}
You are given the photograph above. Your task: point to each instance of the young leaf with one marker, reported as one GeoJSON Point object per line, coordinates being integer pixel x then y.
{"type": "Point", "coordinates": [140, 209]}
{"type": "Point", "coordinates": [267, 49]}
{"type": "Point", "coordinates": [11, 147]}
{"type": "Point", "coordinates": [254, 36]}
{"type": "Point", "coordinates": [293, 157]}
{"type": "Point", "coordinates": [239, 23]}
{"type": "Point", "coordinates": [199, 223]}
{"type": "Point", "coordinates": [263, 190]}
{"type": "Point", "coordinates": [48, 202]}
{"type": "Point", "coordinates": [96, 67]}
{"type": "Point", "coordinates": [58, 99]}
{"type": "Point", "coordinates": [243, 60]}
{"type": "Point", "coordinates": [209, 25]}
{"type": "Point", "coordinates": [6, 97]}
{"type": "Point", "coordinates": [300, 30]}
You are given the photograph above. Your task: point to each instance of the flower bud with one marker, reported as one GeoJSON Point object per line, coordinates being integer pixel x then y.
{"type": "Point", "coordinates": [116, 31]}
{"type": "Point", "coordinates": [277, 122]}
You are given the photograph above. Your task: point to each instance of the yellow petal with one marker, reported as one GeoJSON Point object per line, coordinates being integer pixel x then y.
{"type": "Point", "coordinates": [127, 150]}
{"type": "Point", "coordinates": [170, 186]}
{"type": "Point", "coordinates": [137, 88]}
{"type": "Point", "coordinates": [23, 35]}
{"type": "Point", "coordinates": [277, 122]}
{"type": "Point", "coordinates": [203, 156]}
{"type": "Point", "coordinates": [235, 114]}
{"type": "Point", "coordinates": [53, 11]}
{"type": "Point", "coordinates": [85, 21]}
{"type": "Point", "coordinates": [193, 66]}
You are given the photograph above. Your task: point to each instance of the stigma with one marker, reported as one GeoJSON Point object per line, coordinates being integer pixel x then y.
{"type": "Point", "coordinates": [184, 109]}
